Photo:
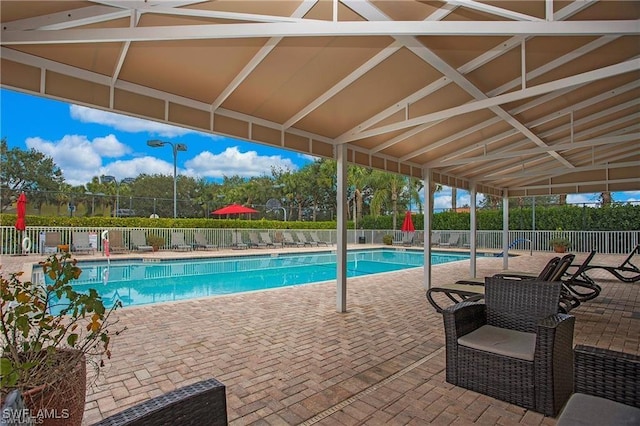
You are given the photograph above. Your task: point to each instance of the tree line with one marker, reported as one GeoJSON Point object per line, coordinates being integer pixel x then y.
{"type": "Point", "coordinates": [307, 194]}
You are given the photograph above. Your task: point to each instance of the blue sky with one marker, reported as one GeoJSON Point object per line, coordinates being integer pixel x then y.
{"type": "Point", "coordinates": [86, 142]}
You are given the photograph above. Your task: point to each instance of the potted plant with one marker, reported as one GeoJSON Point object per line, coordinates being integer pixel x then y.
{"type": "Point", "coordinates": [155, 241]}
{"type": "Point", "coordinates": [559, 242]}
{"type": "Point", "coordinates": [48, 334]}
{"type": "Point", "coordinates": [387, 239]}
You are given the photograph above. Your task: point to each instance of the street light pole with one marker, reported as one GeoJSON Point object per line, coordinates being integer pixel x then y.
{"type": "Point", "coordinates": [175, 148]}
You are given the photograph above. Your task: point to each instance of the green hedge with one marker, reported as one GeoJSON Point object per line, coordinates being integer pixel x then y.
{"type": "Point", "coordinates": [571, 218]}
{"type": "Point", "coordinates": [615, 218]}
{"type": "Point", "coordinates": [141, 222]}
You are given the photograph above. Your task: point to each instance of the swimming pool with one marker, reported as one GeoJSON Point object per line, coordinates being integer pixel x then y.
{"type": "Point", "coordinates": [140, 282]}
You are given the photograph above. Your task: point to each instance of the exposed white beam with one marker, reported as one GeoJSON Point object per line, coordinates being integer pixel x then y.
{"type": "Point", "coordinates": [486, 57]}
{"type": "Point", "coordinates": [320, 29]}
{"type": "Point", "coordinates": [509, 152]}
{"type": "Point", "coordinates": [68, 19]}
{"type": "Point", "coordinates": [607, 140]}
{"type": "Point", "coordinates": [264, 51]}
{"type": "Point", "coordinates": [133, 21]}
{"type": "Point", "coordinates": [560, 172]}
{"type": "Point", "coordinates": [589, 76]}
{"type": "Point", "coordinates": [371, 13]}
{"type": "Point", "coordinates": [342, 84]}
{"type": "Point", "coordinates": [556, 63]}
{"type": "Point", "coordinates": [213, 14]}
{"type": "Point", "coordinates": [553, 116]}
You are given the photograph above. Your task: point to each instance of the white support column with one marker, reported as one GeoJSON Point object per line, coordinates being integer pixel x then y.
{"type": "Point", "coordinates": [473, 229]}
{"type": "Point", "coordinates": [341, 253]}
{"type": "Point", "coordinates": [505, 229]}
{"type": "Point", "coordinates": [428, 216]}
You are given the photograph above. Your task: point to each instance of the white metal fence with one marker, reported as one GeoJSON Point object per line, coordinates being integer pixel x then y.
{"type": "Point", "coordinates": [612, 242]}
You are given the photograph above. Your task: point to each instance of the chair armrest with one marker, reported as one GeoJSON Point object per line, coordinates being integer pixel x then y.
{"type": "Point", "coordinates": [460, 319]}
{"type": "Point", "coordinates": [553, 362]}
{"type": "Point", "coordinates": [464, 317]}
{"type": "Point", "coordinates": [197, 404]}
{"type": "Point", "coordinates": [555, 333]}
{"type": "Point", "coordinates": [607, 374]}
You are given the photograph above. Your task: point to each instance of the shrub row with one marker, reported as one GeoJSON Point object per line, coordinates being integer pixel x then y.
{"type": "Point", "coordinates": [615, 218]}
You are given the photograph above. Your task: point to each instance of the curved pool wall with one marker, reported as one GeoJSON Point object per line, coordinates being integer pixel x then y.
{"type": "Point", "coordinates": [146, 281]}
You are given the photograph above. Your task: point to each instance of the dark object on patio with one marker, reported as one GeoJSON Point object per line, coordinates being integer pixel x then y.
{"type": "Point", "coordinates": [472, 290]}
{"type": "Point", "coordinates": [625, 267]}
{"type": "Point", "coordinates": [516, 347]}
{"type": "Point", "coordinates": [577, 286]}
{"type": "Point", "coordinates": [202, 403]}
{"type": "Point", "coordinates": [607, 389]}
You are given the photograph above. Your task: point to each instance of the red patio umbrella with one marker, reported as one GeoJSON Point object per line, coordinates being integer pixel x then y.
{"type": "Point", "coordinates": [234, 209]}
{"type": "Point", "coordinates": [407, 225]}
{"type": "Point", "coordinates": [21, 210]}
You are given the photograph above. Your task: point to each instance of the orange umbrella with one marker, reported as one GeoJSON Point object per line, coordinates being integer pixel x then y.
{"type": "Point", "coordinates": [21, 210]}
{"type": "Point", "coordinates": [407, 225]}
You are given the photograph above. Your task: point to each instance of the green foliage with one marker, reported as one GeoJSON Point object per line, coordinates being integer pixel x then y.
{"type": "Point", "coordinates": [560, 241]}
{"type": "Point", "coordinates": [625, 217]}
{"type": "Point", "coordinates": [617, 217]}
{"type": "Point", "coordinates": [155, 241]}
{"type": "Point", "coordinates": [41, 322]}
{"type": "Point", "coordinates": [30, 171]}
{"type": "Point", "coordinates": [387, 239]}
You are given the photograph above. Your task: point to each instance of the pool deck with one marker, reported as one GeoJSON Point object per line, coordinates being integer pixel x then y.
{"type": "Point", "coordinates": [287, 357]}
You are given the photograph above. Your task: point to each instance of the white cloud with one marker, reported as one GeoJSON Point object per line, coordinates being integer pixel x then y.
{"type": "Point", "coordinates": [132, 168]}
{"type": "Point", "coordinates": [590, 199]}
{"type": "Point", "coordinates": [79, 158]}
{"type": "Point", "coordinates": [232, 162]}
{"type": "Point", "coordinates": [441, 201]}
{"type": "Point", "coordinates": [125, 123]}
{"type": "Point", "coordinates": [110, 146]}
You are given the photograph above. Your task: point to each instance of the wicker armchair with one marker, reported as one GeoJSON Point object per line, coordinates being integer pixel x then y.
{"type": "Point", "coordinates": [516, 347]}
{"type": "Point", "coordinates": [607, 389]}
{"type": "Point", "coordinates": [202, 403]}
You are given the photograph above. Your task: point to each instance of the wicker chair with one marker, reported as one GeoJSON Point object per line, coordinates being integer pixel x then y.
{"type": "Point", "coordinates": [516, 347]}
{"type": "Point", "coordinates": [202, 403]}
{"type": "Point", "coordinates": [607, 389]}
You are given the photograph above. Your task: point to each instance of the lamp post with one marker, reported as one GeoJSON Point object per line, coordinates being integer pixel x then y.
{"type": "Point", "coordinates": [154, 143]}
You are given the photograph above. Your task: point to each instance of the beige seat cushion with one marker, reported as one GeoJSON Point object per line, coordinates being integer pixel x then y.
{"type": "Point", "coordinates": [583, 409]}
{"type": "Point", "coordinates": [501, 341]}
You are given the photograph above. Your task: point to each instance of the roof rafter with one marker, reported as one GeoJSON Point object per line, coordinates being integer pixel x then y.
{"type": "Point", "coordinates": [589, 76]}
{"type": "Point", "coordinates": [319, 29]}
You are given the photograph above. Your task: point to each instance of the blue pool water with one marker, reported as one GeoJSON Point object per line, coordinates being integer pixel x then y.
{"type": "Point", "coordinates": [137, 282]}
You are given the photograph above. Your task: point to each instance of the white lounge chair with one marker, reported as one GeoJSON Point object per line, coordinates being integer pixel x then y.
{"type": "Point", "coordinates": [201, 242]}
{"type": "Point", "coordinates": [317, 240]}
{"type": "Point", "coordinates": [237, 243]}
{"type": "Point", "coordinates": [303, 239]}
{"type": "Point", "coordinates": [139, 241]}
{"type": "Point", "coordinates": [178, 243]}
{"type": "Point", "coordinates": [51, 241]}
{"type": "Point", "coordinates": [453, 241]}
{"type": "Point", "coordinates": [81, 243]}
{"type": "Point", "coordinates": [266, 238]}
{"type": "Point", "coordinates": [255, 241]}
{"type": "Point", "coordinates": [289, 241]}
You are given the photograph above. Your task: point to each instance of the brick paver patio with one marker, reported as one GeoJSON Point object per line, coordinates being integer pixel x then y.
{"type": "Point", "coordinates": [287, 357]}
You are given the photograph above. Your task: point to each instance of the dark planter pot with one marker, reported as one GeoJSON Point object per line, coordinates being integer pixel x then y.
{"type": "Point", "coordinates": [60, 403]}
{"type": "Point", "coordinates": [560, 249]}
